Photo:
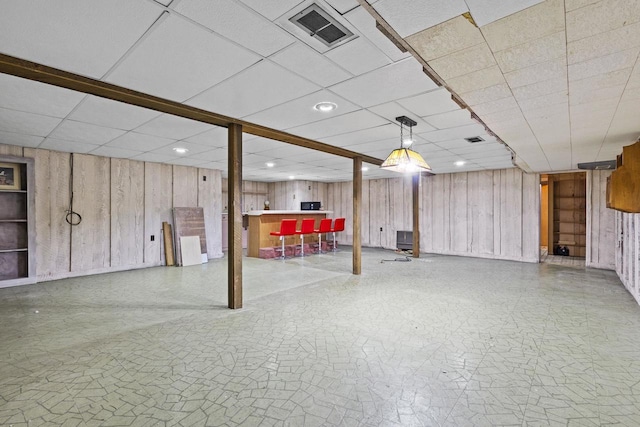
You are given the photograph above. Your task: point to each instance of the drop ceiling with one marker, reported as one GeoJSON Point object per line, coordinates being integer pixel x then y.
{"type": "Point", "coordinates": [557, 81]}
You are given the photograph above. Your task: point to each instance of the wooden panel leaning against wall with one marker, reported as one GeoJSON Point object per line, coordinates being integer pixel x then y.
{"type": "Point", "coordinates": [122, 202]}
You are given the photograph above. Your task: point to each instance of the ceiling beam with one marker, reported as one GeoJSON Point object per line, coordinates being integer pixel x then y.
{"type": "Point", "coordinates": [53, 76]}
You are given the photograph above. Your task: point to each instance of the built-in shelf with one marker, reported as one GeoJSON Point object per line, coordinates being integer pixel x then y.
{"type": "Point", "coordinates": [13, 220]}
{"type": "Point", "coordinates": [567, 212]}
{"type": "Point", "coordinates": [4, 251]}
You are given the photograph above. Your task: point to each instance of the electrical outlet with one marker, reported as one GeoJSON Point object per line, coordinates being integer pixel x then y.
{"type": "Point", "coordinates": [153, 238]}
{"type": "Point", "coordinates": [204, 177]}
{"type": "Point", "coordinates": [380, 228]}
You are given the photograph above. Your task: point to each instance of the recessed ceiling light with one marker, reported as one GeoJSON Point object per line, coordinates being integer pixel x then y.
{"type": "Point", "coordinates": [325, 107]}
{"type": "Point", "coordinates": [180, 150]}
{"type": "Point", "coordinates": [270, 164]}
{"type": "Point", "coordinates": [292, 177]}
{"type": "Point", "coordinates": [460, 163]}
{"type": "Point", "coordinates": [364, 169]}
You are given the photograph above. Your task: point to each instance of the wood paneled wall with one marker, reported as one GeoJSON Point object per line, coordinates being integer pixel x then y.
{"type": "Point", "coordinates": [628, 251]}
{"type": "Point", "coordinates": [601, 237]}
{"type": "Point", "coordinates": [254, 194]}
{"type": "Point", "coordinates": [122, 202]}
{"type": "Point", "coordinates": [287, 195]}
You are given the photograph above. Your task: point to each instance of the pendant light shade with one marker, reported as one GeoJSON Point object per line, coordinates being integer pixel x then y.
{"type": "Point", "coordinates": [404, 159]}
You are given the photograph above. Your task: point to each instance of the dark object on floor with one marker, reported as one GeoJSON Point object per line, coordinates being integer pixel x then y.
{"type": "Point", "coordinates": [561, 250]}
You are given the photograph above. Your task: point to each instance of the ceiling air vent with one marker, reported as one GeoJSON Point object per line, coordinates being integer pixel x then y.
{"type": "Point", "coordinates": [474, 139]}
{"type": "Point", "coordinates": [603, 165]}
{"type": "Point", "coordinates": [320, 25]}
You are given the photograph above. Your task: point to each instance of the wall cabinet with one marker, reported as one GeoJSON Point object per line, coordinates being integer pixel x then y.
{"type": "Point", "coordinates": [17, 221]}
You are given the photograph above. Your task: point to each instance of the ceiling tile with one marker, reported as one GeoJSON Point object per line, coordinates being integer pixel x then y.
{"type": "Point", "coordinates": [177, 51]}
{"type": "Point", "coordinates": [72, 37]}
{"type": "Point", "coordinates": [603, 44]}
{"type": "Point", "coordinates": [216, 155]}
{"type": "Point", "coordinates": [67, 146]}
{"type": "Point", "coordinates": [262, 86]}
{"type": "Point", "coordinates": [271, 10]}
{"type": "Point", "coordinates": [481, 79]}
{"type": "Point", "coordinates": [107, 151]}
{"type": "Point", "coordinates": [503, 104]}
{"type": "Point", "coordinates": [463, 62]}
{"type": "Point", "coordinates": [35, 97]}
{"type": "Point", "coordinates": [487, 11]}
{"type": "Point", "coordinates": [305, 61]}
{"type": "Point", "coordinates": [596, 95]}
{"type": "Point", "coordinates": [399, 80]}
{"type": "Point", "coordinates": [541, 88]}
{"type": "Point", "coordinates": [443, 39]}
{"type": "Point", "coordinates": [21, 140]}
{"type": "Point", "coordinates": [186, 161]}
{"type": "Point", "coordinates": [113, 114]}
{"type": "Point", "coordinates": [600, 81]}
{"type": "Point", "coordinates": [576, 4]}
{"type": "Point", "coordinates": [601, 17]}
{"type": "Point", "coordinates": [554, 69]}
{"type": "Point", "coordinates": [300, 111]}
{"type": "Point", "coordinates": [534, 52]}
{"type": "Point", "coordinates": [543, 101]}
{"type": "Point", "coordinates": [354, 139]}
{"type": "Point", "coordinates": [603, 64]}
{"type": "Point", "coordinates": [152, 157]}
{"type": "Point", "coordinates": [140, 142]}
{"type": "Point", "coordinates": [259, 145]}
{"type": "Point", "coordinates": [450, 119]}
{"type": "Point", "coordinates": [216, 137]}
{"type": "Point", "coordinates": [410, 16]}
{"type": "Point", "coordinates": [530, 24]}
{"type": "Point", "coordinates": [427, 104]}
{"type": "Point", "coordinates": [453, 133]}
{"type": "Point", "coordinates": [634, 79]}
{"type": "Point", "coordinates": [238, 23]}
{"type": "Point", "coordinates": [70, 130]}
{"type": "Point", "coordinates": [487, 94]}
{"type": "Point", "coordinates": [26, 123]}
{"type": "Point", "coordinates": [366, 25]}
{"type": "Point", "coordinates": [343, 6]}
{"type": "Point", "coordinates": [358, 56]}
{"type": "Point", "coordinates": [342, 124]}
{"type": "Point", "coordinates": [391, 110]}
{"type": "Point", "coordinates": [194, 150]}
{"type": "Point", "coordinates": [174, 127]}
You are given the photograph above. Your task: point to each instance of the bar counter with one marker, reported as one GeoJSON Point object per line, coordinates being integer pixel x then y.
{"type": "Point", "coordinates": [261, 223]}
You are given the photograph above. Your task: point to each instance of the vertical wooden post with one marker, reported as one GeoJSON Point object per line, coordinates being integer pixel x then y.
{"type": "Point", "coordinates": [357, 204]}
{"type": "Point", "coordinates": [235, 216]}
{"type": "Point", "coordinates": [415, 189]}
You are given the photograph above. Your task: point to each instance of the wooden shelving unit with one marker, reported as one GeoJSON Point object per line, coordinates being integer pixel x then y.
{"type": "Point", "coordinates": [568, 214]}
{"type": "Point", "coordinates": [17, 222]}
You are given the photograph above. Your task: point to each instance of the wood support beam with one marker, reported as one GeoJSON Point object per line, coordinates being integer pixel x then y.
{"type": "Point", "coordinates": [235, 216]}
{"type": "Point", "coordinates": [53, 76]}
{"type": "Point", "coordinates": [415, 190]}
{"type": "Point", "coordinates": [357, 215]}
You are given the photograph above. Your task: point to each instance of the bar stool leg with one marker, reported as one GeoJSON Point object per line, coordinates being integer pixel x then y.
{"type": "Point", "coordinates": [302, 245]}
{"type": "Point", "coordinates": [334, 249]}
{"type": "Point", "coordinates": [283, 253]}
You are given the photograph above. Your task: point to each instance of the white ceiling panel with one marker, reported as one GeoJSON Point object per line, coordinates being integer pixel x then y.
{"type": "Point", "coordinates": [502, 104]}
{"type": "Point", "coordinates": [358, 56]}
{"type": "Point", "coordinates": [603, 44]}
{"type": "Point", "coordinates": [391, 110]}
{"type": "Point", "coordinates": [554, 69]}
{"type": "Point", "coordinates": [353, 139]}
{"type": "Point", "coordinates": [543, 101]}
{"type": "Point", "coordinates": [600, 94]}
{"type": "Point", "coordinates": [259, 145]}
{"type": "Point", "coordinates": [70, 130]}
{"type": "Point", "coordinates": [194, 149]}
{"type": "Point", "coordinates": [237, 22]}
{"type": "Point", "coordinates": [601, 17]}
{"type": "Point", "coordinates": [152, 157]}
{"type": "Point", "coordinates": [343, 6]}
{"type": "Point", "coordinates": [481, 79]}
{"type": "Point", "coordinates": [271, 10]}
{"type": "Point", "coordinates": [179, 59]}
{"type": "Point", "coordinates": [399, 80]}
{"type": "Point", "coordinates": [531, 53]}
{"type": "Point", "coordinates": [262, 86]}
{"type": "Point", "coordinates": [107, 151]}
{"type": "Point", "coordinates": [216, 137]}
{"type": "Point", "coordinates": [604, 64]}
{"type": "Point", "coordinates": [215, 155]}
{"type": "Point", "coordinates": [105, 112]}
{"type": "Point", "coordinates": [67, 146]}
{"type": "Point", "coordinates": [487, 94]}
{"type": "Point", "coordinates": [541, 88]}
{"type": "Point", "coordinates": [410, 16]}
{"type": "Point", "coordinates": [300, 111]}
{"type": "Point", "coordinates": [82, 37]}
{"type": "Point", "coordinates": [34, 97]}
{"type": "Point", "coordinates": [305, 61]}
{"type": "Point", "coordinates": [450, 119]}
{"type": "Point", "coordinates": [529, 24]}
{"type": "Point", "coordinates": [173, 127]}
{"type": "Point", "coordinates": [351, 122]}
{"type": "Point", "coordinates": [454, 133]}
{"type": "Point", "coordinates": [19, 139]}
{"type": "Point", "coordinates": [186, 161]}
{"type": "Point", "coordinates": [141, 142]}
{"type": "Point", "coordinates": [443, 39]}
{"type": "Point", "coordinates": [464, 61]}
{"type": "Point", "coordinates": [430, 103]}
{"type": "Point", "coordinates": [487, 11]}
{"type": "Point", "coordinates": [366, 24]}
{"type": "Point", "coordinates": [26, 123]}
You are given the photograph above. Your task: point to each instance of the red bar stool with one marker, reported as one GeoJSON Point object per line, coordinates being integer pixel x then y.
{"type": "Point", "coordinates": [287, 228]}
{"type": "Point", "coordinates": [307, 227]}
{"type": "Point", "coordinates": [325, 227]}
{"type": "Point", "coordinates": [338, 226]}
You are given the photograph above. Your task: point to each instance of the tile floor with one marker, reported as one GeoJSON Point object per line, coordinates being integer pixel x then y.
{"type": "Point", "coordinates": [447, 341]}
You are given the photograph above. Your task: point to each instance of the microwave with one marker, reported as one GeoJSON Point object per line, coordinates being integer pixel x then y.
{"type": "Point", "coordinates": [309, 206]}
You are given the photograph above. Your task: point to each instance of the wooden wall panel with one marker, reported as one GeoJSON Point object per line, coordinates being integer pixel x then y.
{"type": "Point", "coordinates": [12, 150]}
{"type": "Point", "coordinates": [482, 211]}
{"type": "Point", "coordinates": [600, 223]}
{"type": "Point", "coordinates": [364, 218]}
{"type": "Point", "coordinates": [127, 212]}
{"type": "Point", "coordinates": [185, 187]}
{"type": "Point", "coordinates": [158, 201]}
{"type": "Point", "coordinates": [90, 240]}
{"type": "Point", "coordinates": [438, 221]}
{"type": "Point", "coordinates": [627, 251]}
{"type": "Point", "coordinates": [53, 238]}
{"type": "Point", "coordinates": [511, 213]}
{"type": "Point", "coordinates": [530, 222]}
{"type": "Point", "coordinates": [209, 191]}
{"type": "Point", "coordinates": [426, 214]}
{"type": "Point", "coordinates": [458, 212]}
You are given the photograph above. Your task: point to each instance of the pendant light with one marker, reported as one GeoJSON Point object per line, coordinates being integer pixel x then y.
{"type": "Point", "coordinates": [404, 159]}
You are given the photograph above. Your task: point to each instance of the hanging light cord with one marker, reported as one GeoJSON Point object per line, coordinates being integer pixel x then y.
{"type": "Point", "coordinates": [72, 218]}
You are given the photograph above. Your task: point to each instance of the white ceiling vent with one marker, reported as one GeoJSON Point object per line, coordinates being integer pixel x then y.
{"type": "Point", "coordinates": [318, 28]}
